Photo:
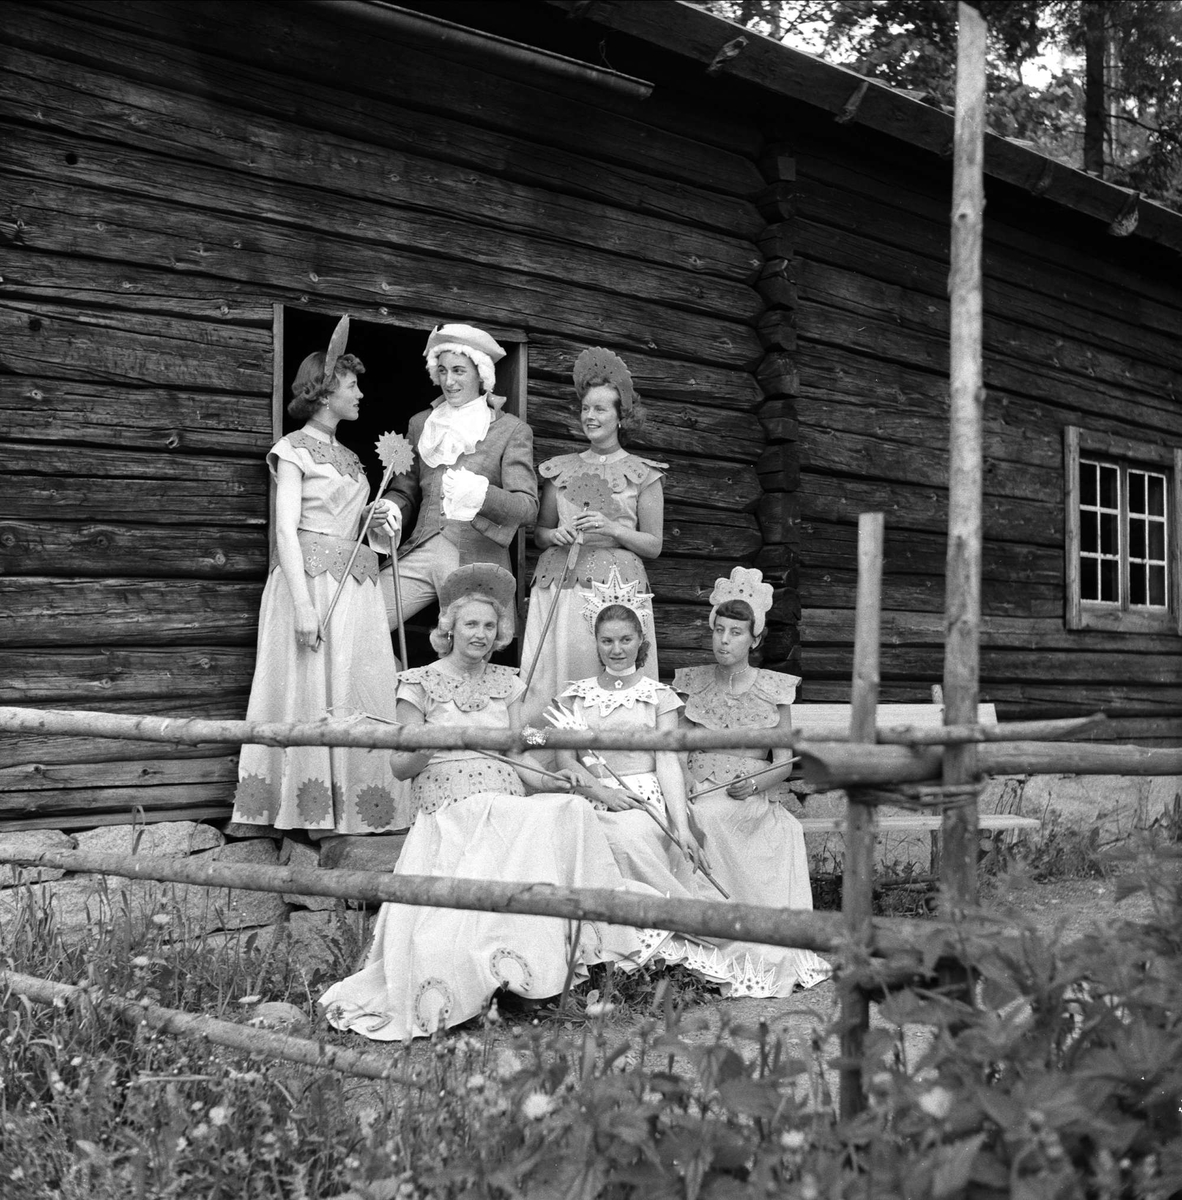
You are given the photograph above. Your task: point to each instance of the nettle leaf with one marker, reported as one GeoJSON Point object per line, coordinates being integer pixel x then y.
{"type": "Point", "coordinates": [954, 1166]}
{"type": "Point", "coordinates": [750, 1097]}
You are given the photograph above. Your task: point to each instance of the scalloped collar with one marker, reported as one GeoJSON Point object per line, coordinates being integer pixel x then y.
{"type": "Point", "coordinates": [333, 454]}
{"type": "Point", "coordinates": [647, 691]}
{"type": "Point", "coordinates": [467, 694]}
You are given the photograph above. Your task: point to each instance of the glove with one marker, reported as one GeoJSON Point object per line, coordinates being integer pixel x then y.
{"type": "Point", "coordinates": [463, 493]}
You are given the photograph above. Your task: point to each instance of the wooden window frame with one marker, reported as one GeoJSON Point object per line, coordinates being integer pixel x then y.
{"type": "Point", "coordinates": [1126, 452]}
{"type": "Point", "coordinates": [512, 380]}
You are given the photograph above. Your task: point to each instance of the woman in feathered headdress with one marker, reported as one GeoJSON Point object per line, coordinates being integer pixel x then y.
{"type": "Point", "coordinates": [756, 846]}
{"type": "Point", "coordinates": [311, 665]}
{"type": "Point", "coordinates": [601, 509]}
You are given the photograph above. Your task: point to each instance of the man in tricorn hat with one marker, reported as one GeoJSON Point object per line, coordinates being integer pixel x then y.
{"type": "Point", "coordinates": [473, 484]}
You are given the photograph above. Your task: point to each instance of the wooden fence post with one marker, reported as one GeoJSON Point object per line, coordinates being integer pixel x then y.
{"type": "Point", "coordinates": [958, 866]}
{"type": "Point", "coordinates": [857, 873]}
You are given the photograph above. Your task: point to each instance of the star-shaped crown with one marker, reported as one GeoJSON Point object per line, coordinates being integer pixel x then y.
{"type": "Point", "coordinates": [616, 591]}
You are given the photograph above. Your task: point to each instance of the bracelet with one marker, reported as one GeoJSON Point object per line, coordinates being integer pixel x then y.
{"type": "Point", "coordinates": [531, 735]}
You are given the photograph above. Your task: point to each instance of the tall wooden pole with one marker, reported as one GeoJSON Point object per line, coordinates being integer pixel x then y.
{"type": "Point", "coordinates": [965, 466]}
{"type": "Point", "coordinates": [857, 872]}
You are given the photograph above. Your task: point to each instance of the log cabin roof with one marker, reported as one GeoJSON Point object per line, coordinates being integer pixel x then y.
{"type": "Point", "coordinates": [726, 51]}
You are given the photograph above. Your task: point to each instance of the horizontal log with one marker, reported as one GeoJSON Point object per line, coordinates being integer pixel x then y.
{"type": "Point", "coordinates": [705, 532]}
{"type": "Point", "coordinates": [1017, 289]}
{"type": "Point", "coordinates": [209, 812]}
{"type": "Point", "coordinates": [684, 428]}
{"type": "Point", "coordinates": [50, 778]}
{"type": "Point", "coordinates": [249, 154]}
{"type": "Point", "coordinates": [1032, 248]}
{"type": "Point", "coordinates": [91, 548]}
{"type": "Point", "coordinates": [999, 632]}
{"type": "Point", "coordinates": [52, 480]}
{"type": "Point", "coordinates": [685, 382]}
{"type": "Point", "coordinates": [1012, 664]}
{"type": "Point", "coordinates": [142, 419]}
{"type": "Point", "coordinates": [30, 804]}
{"type": "Point", "coordinates": [53, 750]}
{"type": "Point", "coordinates": [777, 330]}
{"type": "Point", "coordinates": [1002, 334]}
{"type": "Point", "coordinates": [779, 516]}
{"type": "Point", "coordinates": [93, 283]}
{"type": "Point", "coordinates": [388, 223]}
{"type": "Point", "coordinates": [316, 104]}
{"type": "Point", "coordinates": [710, 918]}
{"type": "Point", "coordinates": [151, 233]}
{"type": "Point", "coordinates": [776, 283]}
{"type": "Point", "coordinates": [777, 374]}
{"type": "Point", "coordinates": [687, 580]}
{"type": "Point", "coordinates": [824, 497]}
{"type": "Point", "coordinates": [50, 612]}
{"type": "Point", "coordinates": [244, 1038]}
{"type": "Point", "coordinates": [847, 764]}
{"type": "Point", "coordinates": [40, 339]}
{"type": "Point", "coordinates": [101, 675]}
{"type": "Point", "coordinates": [289, 42]}
{"type": "Point", "coordinates": [704, 482]}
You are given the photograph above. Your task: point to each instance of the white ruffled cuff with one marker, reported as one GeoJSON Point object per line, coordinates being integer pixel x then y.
{"type": "Point", "coordinates": [463, 493]}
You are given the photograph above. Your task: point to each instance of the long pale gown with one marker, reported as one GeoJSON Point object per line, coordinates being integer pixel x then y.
{"type": "Point", "coordinates": [569, 651]}
{"type": "Point", "coordinates": [432, 968]}
{"type": "Point", "coordinates": [353, 672]}
{"type": "Point", "coordinates": [755, 846]}
{"type": "Point", "coordinates": [645, 855]}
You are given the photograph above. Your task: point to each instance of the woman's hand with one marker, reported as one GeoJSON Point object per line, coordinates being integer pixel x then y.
{"type": "Point", "coordinates": [386, 513]}
{"type": "Point", "coordinates": [742, 789]}
{"type": "Point", "coordinates": [614, 799]}
{"type": "Point", "coordinates": [308, 631]}
{"type": "Point", "coordinates": [573, 782]}
{"type": "Point", "coordinates": [564, 535]}
{"type": "Point", "coordinates": [696, 854]}
{"type": "Point", "coordinates": [595, 522]}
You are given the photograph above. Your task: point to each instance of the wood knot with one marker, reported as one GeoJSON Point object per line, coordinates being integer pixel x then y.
{"type": "Point", "coordinates": [727, 51]}
{"type": "Point", "coordinates": [35, 324]}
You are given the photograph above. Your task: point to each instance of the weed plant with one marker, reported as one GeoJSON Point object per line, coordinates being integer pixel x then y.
{"type": "Point", "coordinates": [1058, 1075]}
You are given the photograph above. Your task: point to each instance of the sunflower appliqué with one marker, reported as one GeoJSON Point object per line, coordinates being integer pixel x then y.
{"type": "Point", "coordinates": [314, 801]}
{"type": "Point", "coordinates": [253, 798]}
{"type": "Point", "coordinates": [375, 807]}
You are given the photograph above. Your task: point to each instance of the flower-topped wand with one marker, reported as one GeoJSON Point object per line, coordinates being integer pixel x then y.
{"type": "Point", "coordinates": [587, 489]}
{"type": "Point", "coordinates": [397, 458]}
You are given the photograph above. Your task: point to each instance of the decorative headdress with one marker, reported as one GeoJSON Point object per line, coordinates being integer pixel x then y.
{"type": "Point", "coordinates": [746, 584]}
{"type": "Point", "coordinates": [484, 579]}
{"type": "Point", "coordinates": [616, 591]}
{"type": "Point", "coordinates": [482, 348]}
{"type": "Point", "coordinates": [336, 347]}
{"type": "Point", "coordinates": [597, 362]}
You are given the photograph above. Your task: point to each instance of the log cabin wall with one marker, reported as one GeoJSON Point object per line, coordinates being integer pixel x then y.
{"type": "Point", "coordinates": [1081, 328]}
{"type": "Point", "coordinates": [171, 173]}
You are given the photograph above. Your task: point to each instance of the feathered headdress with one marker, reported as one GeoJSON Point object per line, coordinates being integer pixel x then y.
{"type": "Point", "coordinates": [616, 591]}
{"type": "Point", "coordinates": [744, 583]}
{"type": "Point", "coordinates": [336, 347]}
{"type": "Point", "coordinates": [597, 362]}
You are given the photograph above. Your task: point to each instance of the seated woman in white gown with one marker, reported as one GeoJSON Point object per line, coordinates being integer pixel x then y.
{"type": "Point", "coordinates": [620, 698]}
{"type": "Point", "coordinates": [431, 968]}
{"type": "Point", "coordinates": [756, 846]}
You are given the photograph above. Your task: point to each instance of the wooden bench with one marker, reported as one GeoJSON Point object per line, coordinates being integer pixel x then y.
{"type": "Point", "coordinates": [827, 722]}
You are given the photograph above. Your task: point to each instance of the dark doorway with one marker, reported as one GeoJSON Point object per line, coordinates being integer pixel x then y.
{"type": "Point", "coordinates": [395, 386]}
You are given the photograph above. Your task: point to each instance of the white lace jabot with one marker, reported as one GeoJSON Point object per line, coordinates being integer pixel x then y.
{"type": "Point", "coordinates": [449, 432]}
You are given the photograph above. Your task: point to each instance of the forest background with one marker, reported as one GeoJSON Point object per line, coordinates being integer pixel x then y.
{"type": "Point", "coordinates": [1094, 84]}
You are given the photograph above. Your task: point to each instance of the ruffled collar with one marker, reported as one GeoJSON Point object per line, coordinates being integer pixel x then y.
{"type": "Point", "coordinates": [619, 468]}
{"type": "Point", "coordinates": [647, 691]}
{"type": "Point", "coordinates": [325, 452]}
{"type": "Point", "coordinates": [713, 707]}
{"type": "Point", "coordinates": [466, 693]}
{"type": "Point", "coordinates": [449, 432]}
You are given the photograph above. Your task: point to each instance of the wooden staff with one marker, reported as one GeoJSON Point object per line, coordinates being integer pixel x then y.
{"type": "Point", "coordinates": [718, 787]}
{"type": "Point", "coordinates": [398, 608]}
{"type": "Point", "coordinates": [572, 557]}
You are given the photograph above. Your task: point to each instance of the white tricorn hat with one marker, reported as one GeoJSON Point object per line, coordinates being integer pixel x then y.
{"type": "Point", "coordinates": [482, 348]}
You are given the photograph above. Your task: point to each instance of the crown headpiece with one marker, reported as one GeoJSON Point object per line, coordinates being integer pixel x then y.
{"type": "Point", "coordinates": [616, 591]}
{"type": "Point", "coordinates": [482, 579]}
{"type": "Point", "coordinates": [597, 362]}
{"type": "Point", "coordinates": [336, 347]}
{"type": "Point", "coordinates": [744, 583]}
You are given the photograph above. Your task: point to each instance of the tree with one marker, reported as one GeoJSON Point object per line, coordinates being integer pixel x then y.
{"type": "Point", "coordinates": [1096, 84]}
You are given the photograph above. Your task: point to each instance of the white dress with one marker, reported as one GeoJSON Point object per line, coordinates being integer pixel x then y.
{"type": "Point", "coordinates": [646, 856]}
{"type": "Point", "coordinates": [431, 968]}
{"type": "Point", "coordinates": [755, 846]}
{"type": "Point", "coordinates": [354, 671]}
